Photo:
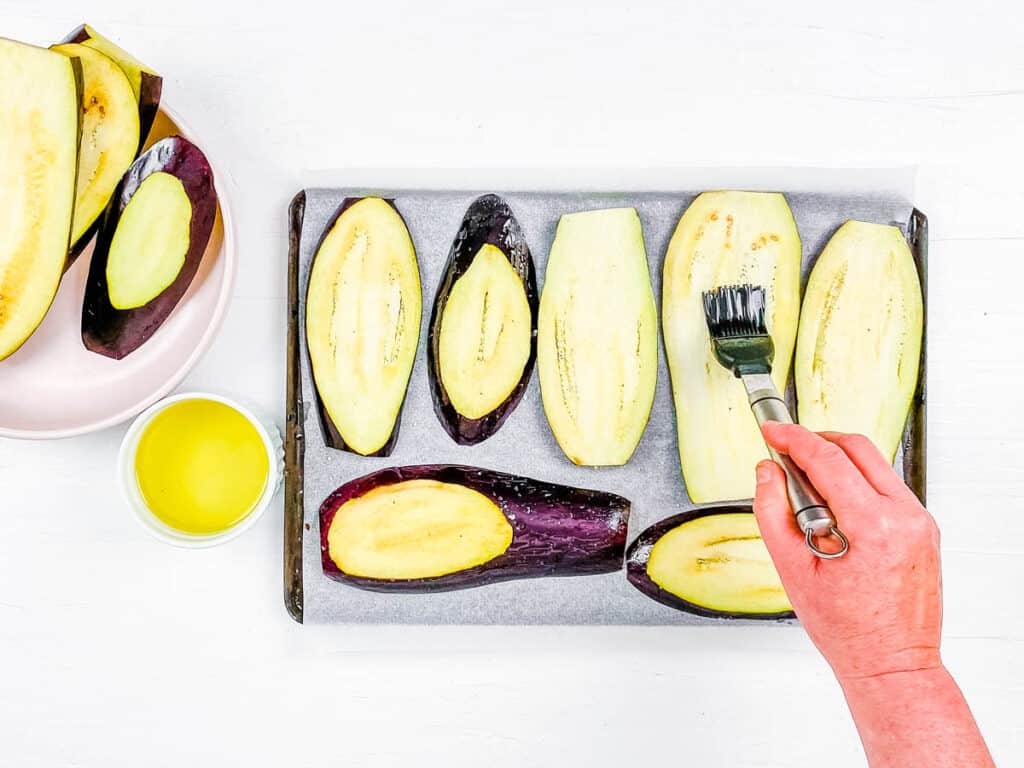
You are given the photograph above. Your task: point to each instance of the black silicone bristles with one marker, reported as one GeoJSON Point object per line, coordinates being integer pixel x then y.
{"type": "Point", "coordinates": [735, 310]}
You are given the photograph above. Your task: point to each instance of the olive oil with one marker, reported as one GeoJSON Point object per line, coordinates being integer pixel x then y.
{"type": "Point", "coordinates": [201, 466]}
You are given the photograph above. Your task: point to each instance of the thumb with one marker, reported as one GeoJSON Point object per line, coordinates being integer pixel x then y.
{"type": "Point", "coordinates": [775, 517]}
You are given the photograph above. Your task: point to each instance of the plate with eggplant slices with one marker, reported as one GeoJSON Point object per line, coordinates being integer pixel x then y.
{"type": "Point", "coordinates": [116, 253]}
{"type": "Point", "coordinates": [505, 408]}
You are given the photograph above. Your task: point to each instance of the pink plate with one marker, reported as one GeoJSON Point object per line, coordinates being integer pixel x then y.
{"type": "Point", "coordinates": [54, 387]}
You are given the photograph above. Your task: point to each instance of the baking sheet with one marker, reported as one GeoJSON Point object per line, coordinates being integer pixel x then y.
{"type": "Point", "coordinates": [524, 445]}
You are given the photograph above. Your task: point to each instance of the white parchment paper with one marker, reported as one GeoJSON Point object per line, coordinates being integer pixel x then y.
{"type": "Point", "coordinates": [524, 445]}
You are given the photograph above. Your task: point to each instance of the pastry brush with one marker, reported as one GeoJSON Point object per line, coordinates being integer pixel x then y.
{"type": "Point", "coordinates": [739, 335]}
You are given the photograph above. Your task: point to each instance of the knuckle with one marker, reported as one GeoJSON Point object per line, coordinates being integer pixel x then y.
{"type": "Point", "coordinates": [825, 452]}
{"type": "Point", "coordinates": [857, 442]}
{"type": "Point", "coordinates": [922, 526]}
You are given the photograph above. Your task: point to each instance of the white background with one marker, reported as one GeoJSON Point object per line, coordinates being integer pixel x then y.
{"type": "Point", "coordinates": [116, 650]}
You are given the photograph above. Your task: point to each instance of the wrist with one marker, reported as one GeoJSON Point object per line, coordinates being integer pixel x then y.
{"type": "Point", "coordinates": [914, 717]}
{"type": "Point", "coordinates": [860, 664]}
{"type": "Point", "coordinates": [926, 674]}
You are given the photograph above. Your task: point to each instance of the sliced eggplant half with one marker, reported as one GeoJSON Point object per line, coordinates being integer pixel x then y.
{"type": "Point", "coordinates": [721, 239]}
{"type": "Point", "coordinates": [109, 141]}
{"type": "Point", "coordinates": [597, 342]}
{"type": "Point", "coordinates": [483, 326]}
{"type": "Point", "coordinates": [859, 346]}
{"type": "Point", "coordinates": [443, 527]}
{"type": "Point", "coordinates": [146, 84]}
{"type": "Point", "coordinates": [363, 325]}
{"type": "Point", "coordinates": [40, 94]}
{"type": "Point", "coordinates": [149, 246]}
{"type": "Point", "coordinates": [710, 562]}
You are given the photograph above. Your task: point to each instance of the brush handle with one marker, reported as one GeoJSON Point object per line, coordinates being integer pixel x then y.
{"type": "Point", "coordinates": [811, 510]}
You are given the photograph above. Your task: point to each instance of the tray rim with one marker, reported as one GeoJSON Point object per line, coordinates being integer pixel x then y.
{"type": "Point", "coordinates": [914, 441]}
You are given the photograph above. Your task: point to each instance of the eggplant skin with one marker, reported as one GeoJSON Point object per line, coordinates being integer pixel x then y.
{"type": "Point", "coordinates": [640, 550]}
{"type": "Point", "coordinates": [557, 530]}
{"type": "Point", "coordinates": [114, 332]}
{"type": "Point", "coordinates": [488, 220]}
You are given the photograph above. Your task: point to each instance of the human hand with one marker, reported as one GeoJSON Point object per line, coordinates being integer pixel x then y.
{"type": "Point", "coordinates": [878, 609]}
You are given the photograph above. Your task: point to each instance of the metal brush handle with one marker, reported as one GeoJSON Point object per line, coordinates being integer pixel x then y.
{"type": "Point", "coordinates": [812, 513]}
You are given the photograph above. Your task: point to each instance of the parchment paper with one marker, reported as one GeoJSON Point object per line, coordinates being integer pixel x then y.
{"type": "Point", "coordinates": [524, 445]}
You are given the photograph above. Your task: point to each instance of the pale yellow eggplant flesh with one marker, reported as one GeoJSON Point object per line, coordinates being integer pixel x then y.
{"type": "Point", "coordinates": [710, 562]}
{"type": "Point", "coordinates": [40, 124]}
{"type": "Point", "coordinates": [725, 238]}
{"type": "Point", "coordinates": [859, 345]}
{"type": "Point", "coordinates": [109, 141]}
{"type": "Point", "coordinates": [363, 308]}
{"type": "Point", "coordinates": [597, 337]}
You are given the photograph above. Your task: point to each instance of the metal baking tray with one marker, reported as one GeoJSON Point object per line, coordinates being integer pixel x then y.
{"type": "Point", "coordinates": [651, 480]}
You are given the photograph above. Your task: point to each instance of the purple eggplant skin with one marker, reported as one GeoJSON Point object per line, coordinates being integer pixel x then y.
{"type": "Point", "coordinates": [556, 530]}
{"type": "Point", "coordinates": [333, 437]}
{"type": "Point", "coordinates": [150, 89]}
{"type": "Point", "coordinates": [640, 550]}
{"type": "Point", "coordinates": [488, 220]}
{"type": "Point", "coordinates": [115, 332]}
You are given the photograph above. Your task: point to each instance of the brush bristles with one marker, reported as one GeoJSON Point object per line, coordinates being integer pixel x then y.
{"type": "Point", "coordinates": [735, 310]}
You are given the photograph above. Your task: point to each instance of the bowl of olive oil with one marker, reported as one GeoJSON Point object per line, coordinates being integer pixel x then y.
{"type": "Point", "coordinates": [199, 469]}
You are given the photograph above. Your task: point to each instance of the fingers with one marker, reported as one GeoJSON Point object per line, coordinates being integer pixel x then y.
{"type": "Point", "coordinates": [826, 464]}
{"type": "Point", "coordinates": [869, 460]}
{"type": "Point", "coordinates": [775, 518]}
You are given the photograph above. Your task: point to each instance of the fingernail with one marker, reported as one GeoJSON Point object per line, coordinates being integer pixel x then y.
{"type": "Point", "coordinates": [764, 473]}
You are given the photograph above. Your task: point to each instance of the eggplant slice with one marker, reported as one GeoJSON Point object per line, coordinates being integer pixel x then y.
{"type": "Point", "coordinates": [41, 94]}
{"type": "Point", "coordinates": [710, 562]}
{"type": "Point", "coordinates": [363, 310]}
{"type": "Point", "coordinates": [146, 84]}
{"type": "Point", "coordinates": [721, 239]}
{"type": "Point", "coordinates": [483, 326]}
{"type": "Point", "coordinates": [150, 243]}
{"type": "Point", "coordinates": [859, 346]}
{"type": "Point", "coordinates": [597, 337]}
{"type": "Point", "coordinates": [443, 527]}
{"type": "Point", "coordinates": [109, 141]}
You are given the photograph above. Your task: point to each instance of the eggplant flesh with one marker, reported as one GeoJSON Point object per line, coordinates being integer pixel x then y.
{"type": "Point", "coordinates": [597, 337]}
{"type": "Point", "coordinates": [146, 84]}
{"type": "Point", "coordinates": [444, 527]}
{"type": "Point", "coordinates": [150, 243]}
{"type": "Point", "coordinates": [363, 309]}
{"type": "Point", "coordinates": [483, 325]}
{"type": "Point", "coordinates": [724, 238]}
{"type": "Point", "coordinates": [40, 91]}
{"type": "Point", "coordinates": [859, 345]}
{"type": "Point", "coordinates": [149, 246]}
{"type": "Point", "coordinates": [416, 529]}
{"type": "Point", "coordinates": [710, 562]}
{"type": "Point", "coordinates": [109, 140]}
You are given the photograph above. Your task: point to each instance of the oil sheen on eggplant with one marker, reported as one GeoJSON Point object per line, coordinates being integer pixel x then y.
{"type": "Point", "coordinates": [597, 337]}
{"type": "Point", "coordinates": [443, 527]}
{"type": "Point", "coordinates": [721, 239]}
{"type": "Point", "coordinates": [859, 345]}
{"type": "Point", "coordinates": [363, 309]}
{"type": "Point", "coordinates": [710, 562]}
{"type": "Point", "coordinates": [149, 246]}
{"type": "Point", "coordinates": [40, 94]}
{"type": "Point", "coordinates": [109, 141]}
{"type": "Point", "coordinates": [146, 84]}
{"type": "Point", "coordinates": [483, 325]}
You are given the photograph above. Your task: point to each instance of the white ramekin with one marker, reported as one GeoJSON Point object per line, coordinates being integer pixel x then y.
{"type": "Point", "coordinates": [133, 495]}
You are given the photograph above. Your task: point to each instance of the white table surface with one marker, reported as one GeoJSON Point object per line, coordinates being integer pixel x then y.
{"type": "Point", "coordinates": [116, 650]}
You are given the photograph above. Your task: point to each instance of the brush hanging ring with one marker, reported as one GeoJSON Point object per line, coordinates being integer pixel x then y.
{"type": "Point", "coordinates": [833, 532]}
